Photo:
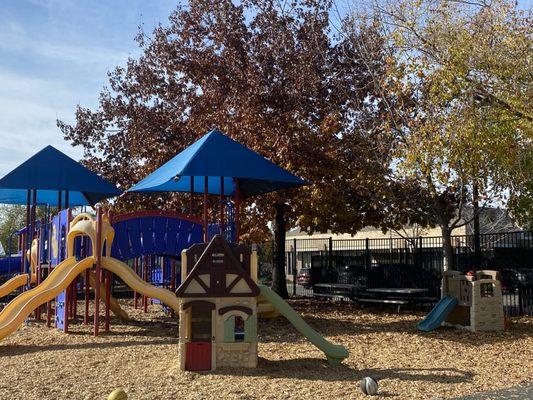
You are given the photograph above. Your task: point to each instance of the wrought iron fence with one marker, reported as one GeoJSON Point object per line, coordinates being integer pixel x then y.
{"type": "Point", "coordinates": [407, 262]}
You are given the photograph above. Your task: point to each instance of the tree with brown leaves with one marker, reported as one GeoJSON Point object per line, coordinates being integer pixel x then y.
{"type": "Point", "coordinates": [273, 77]}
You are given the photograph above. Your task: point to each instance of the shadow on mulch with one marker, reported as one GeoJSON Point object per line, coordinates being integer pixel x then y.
{"type": "Point", "coordinates": [16, 350]}
{"type": "Point", "coordinates": [348, 324]}
{"type": "Point", "coordinates": [160, 327]}
{"type": "Point", "coordinates": [316, 369]}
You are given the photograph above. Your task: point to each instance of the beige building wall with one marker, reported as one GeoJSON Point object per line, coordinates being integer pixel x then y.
{"type": "Point", "coordinates": [316, 242]}
{"type": "Point", "coordinates": [373, 233]}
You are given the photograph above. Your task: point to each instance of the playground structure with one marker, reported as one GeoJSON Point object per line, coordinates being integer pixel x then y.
{"type": "Point", "coordinates": [218, 279]}
{"type": "Point", "coordinates": [101, 235]}
{"type": "Point", "coordinates": [217, 301]}
{"type": "Point", "coordinates": [472, 302]}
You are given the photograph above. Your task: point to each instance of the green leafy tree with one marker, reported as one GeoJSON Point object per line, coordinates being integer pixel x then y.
{"type": "Point", "coordinates": [458, 95]}
{"type": "Point", "coordinates": [12, 218]}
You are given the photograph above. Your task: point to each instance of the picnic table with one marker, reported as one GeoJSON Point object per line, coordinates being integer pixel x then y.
{"type": "Point", "coordinates": [399, 291]}
{"type": "Point", "coordinates": [340, 290]}
{"type": "Point", "coordinates": [395, 296]}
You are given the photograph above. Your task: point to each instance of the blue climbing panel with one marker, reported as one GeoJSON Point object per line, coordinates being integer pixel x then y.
{"type": "Point", "coordinates": [154, 235]}
{"type": "Point", "coordinates": [58, 251]}
{"type": "Point", "coordinates": [10, 265]}
{"type": "Point", "coordinates": [61, 310]}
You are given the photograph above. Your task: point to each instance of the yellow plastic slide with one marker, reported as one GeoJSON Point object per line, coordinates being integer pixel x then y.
{"type": "Point", "coordinates": [20, 280]}
{"type": "Point", "coordinates": [113, 303]}
{"type": "Point", "coordinates": [131, 279]}
{"type": "Point", "coordinates": [14, 283]}
{"type": "Point", "coordinates": [14, 314]}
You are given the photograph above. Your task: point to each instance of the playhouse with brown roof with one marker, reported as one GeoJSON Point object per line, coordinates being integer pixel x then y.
{"type": "Point", "coordinates": [218, 313]}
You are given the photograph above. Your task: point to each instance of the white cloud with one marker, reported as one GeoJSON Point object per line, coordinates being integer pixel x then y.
{"type": "Point", "coordinates": [15, 38]}
{"type": "Point", "coordinates": [54, 54]}
{"type": "Point", "coordinates": [29, 108]}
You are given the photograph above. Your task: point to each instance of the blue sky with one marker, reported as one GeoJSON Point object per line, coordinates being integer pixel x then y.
{"type": "Point", "coordinates": [54, 54]}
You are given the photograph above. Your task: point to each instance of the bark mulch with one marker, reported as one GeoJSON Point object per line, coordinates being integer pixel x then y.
{"type": "Point", "coordinates": [142, 357]}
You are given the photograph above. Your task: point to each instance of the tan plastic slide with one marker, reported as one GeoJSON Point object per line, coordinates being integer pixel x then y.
{"type": "Point", "coordinates": [130, 278]}
{"type": "Point", "coordinates": [113, 303]}
{"type": "Point", "coordinates": [14, 314]}
{"type": "Point", "coordinates": [22, 279]}
{"type": "Point", "coordinates": [14, 283]}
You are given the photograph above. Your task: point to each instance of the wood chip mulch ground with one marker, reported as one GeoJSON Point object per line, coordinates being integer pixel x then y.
{"type": "Point", "coordinates": [142, 357]}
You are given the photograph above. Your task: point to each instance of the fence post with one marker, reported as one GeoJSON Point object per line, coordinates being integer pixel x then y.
{"type": "Point", "coordinates": [419, 252]}
{"type": "Point", "coordinates": [367, 254]}
{"type": "Point", "coordinates": [294, 258]}
{"type": "Point", "coordinates": [330, 258]}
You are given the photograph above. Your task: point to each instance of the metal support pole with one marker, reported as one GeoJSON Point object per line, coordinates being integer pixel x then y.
{"type": "Point", "coordinates": [49, 303]}
{"type": "Point", "coordinates": [75, 298]}
{"type": "Point", "coordinates": [191, 197]}
{"type": "Point", "coordinates": [221, 222]}
{"type": "Point", "coordinates": [27, 242]}
{"type": "Point", "coordinates": [98, 257]}
{"type": "Point", "coordinates": [135, 294]}
{"type": "Point", "coordinates": [237, 210]}
{"type": "Point", "coordinates": [107, 298]}
{"type": "Point", "coordinates": [206, 221]}
{"type": "Point", "coordinates": [87, 297]}
{"type": "Point", "coordinates": [145, 278]}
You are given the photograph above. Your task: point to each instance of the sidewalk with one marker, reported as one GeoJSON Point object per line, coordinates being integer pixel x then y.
{"type": "Point", "coordinates": [522, 392]}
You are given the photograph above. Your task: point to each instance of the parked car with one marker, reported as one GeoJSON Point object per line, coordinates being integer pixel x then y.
{"type": "Point", "coordinates": [304, 278]}
{"type": "Point", "coordinates": [512, 279]}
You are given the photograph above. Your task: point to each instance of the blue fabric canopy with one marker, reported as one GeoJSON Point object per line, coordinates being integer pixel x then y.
{"type": "Point", "coordinates": [216, 155]}
{"type": "Point", "coordinates": [50, 171]}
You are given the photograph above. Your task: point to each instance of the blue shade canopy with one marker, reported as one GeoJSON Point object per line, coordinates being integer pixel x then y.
{"type": "Point", "coordinates": [50, 171]}
{"type": "Point", "coordinates": [216, 155]}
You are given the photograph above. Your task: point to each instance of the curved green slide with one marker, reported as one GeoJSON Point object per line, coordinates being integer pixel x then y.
{"type": "Point", "coordinates": [335, 353]}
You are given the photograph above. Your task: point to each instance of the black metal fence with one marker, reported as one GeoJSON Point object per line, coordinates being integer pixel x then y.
{"type": "Point", "coordinates": [413, 262]}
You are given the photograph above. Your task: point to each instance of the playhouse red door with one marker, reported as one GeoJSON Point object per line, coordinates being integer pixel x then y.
{"type": "Point", "coordinates": [198, 356]}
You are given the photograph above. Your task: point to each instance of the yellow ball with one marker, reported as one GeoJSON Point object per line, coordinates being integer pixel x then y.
{"type": "Point", "coordinates": [118, 394]}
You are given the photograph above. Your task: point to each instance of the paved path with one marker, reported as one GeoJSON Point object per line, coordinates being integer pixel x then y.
{"type": "Point", "coordinates": [518, 392]}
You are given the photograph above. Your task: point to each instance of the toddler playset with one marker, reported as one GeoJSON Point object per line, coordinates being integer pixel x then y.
{"type": "Point", "coordinates": [472, 302]}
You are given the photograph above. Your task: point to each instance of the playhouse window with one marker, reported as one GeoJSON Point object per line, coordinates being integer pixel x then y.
{"type": "Point", "coordinates": [487, 290]}
{"type": "Point", "coordinates": [238, 330]}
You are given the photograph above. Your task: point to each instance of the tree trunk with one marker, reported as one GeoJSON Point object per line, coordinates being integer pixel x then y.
{"type": "Point", "coordinates": [447, 249]}
{"type": "Point", "coordinates": [279, 282]}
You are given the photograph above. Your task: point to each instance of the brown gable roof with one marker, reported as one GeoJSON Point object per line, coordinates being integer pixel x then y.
{"type": "Point", "coordinates": [218, 272]}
